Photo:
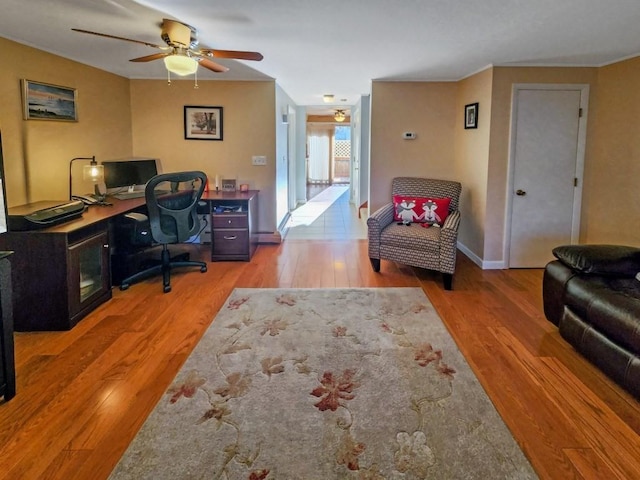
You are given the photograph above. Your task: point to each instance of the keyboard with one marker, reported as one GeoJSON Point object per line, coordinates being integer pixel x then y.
{"type": "Point", "coordinates": [128, 195]}
{"type": "Point", "coordinates": [137, 194]}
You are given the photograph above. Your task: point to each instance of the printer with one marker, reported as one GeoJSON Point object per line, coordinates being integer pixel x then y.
{"type": "Point", "coordinates": [43, 214]}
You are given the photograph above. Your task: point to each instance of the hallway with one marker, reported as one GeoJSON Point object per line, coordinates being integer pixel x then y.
{"type": "Point", "coordinates": [327, 216]}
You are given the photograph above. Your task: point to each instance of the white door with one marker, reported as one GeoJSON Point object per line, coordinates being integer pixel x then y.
{"type": "Point", "coordinates": [355, 156]}
{"type": "Point", "coordinates": [547, 149]}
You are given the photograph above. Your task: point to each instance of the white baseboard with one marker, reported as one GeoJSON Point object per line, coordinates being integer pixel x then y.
{"type": "Point", "coordinates": [483, 264]}
{"type": "Point", "coordinates": [494, 265]}
{"type": "Point", "coordinates": [283, 228]}
{"type": "Point", "coordinates": [269, 237]}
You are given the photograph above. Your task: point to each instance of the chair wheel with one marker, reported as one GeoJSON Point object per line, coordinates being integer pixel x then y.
{"type": "Point", "coordinates": [203, 269]}
{"type": "Point", "coordinates": [167, 288]}
{"type": "Point", "coordinates": [124, 286]}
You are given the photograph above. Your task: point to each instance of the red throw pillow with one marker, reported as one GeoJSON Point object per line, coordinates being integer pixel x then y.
{"type": "Point", "coordinates": [420, 209]}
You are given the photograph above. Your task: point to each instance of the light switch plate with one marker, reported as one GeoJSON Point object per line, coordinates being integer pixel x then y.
{"type": "Point", "coordinates": [259, 160]}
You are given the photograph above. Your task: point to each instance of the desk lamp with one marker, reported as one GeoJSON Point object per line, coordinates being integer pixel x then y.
{"type": "Point", "coordinates": [93, 172]}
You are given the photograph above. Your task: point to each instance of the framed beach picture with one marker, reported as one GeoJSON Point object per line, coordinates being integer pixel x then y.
{"type": "Point", "coordinates": [43, 101]}
{"type": "Point", "coordinates": [471, 115]}
{"type": "Point", "coordinates": [202, 123]}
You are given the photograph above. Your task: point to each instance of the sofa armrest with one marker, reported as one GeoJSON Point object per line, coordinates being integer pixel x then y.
{"type": "Point", "coordinates": [375, 224]}
{"type": "Point", "coordinates": [449, 242]}
{"type": "Point", "coordinates": [452, 222]}
{"type": "Point", "coordinates": [606, 260]}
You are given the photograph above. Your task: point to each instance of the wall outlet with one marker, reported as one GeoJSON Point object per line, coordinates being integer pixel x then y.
{"type": "Point", "coordinates": [259, 160]}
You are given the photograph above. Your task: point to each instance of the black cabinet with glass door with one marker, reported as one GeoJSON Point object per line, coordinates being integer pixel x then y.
{"type": "Point", "coordinates": [59, 275]}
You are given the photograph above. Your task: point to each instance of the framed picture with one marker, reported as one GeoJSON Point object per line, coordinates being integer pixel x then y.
{"type": "Point", "coordinates": [43, 101]}
{"type": "Point", "coordinates": [228, 184]}
{"type": "Point", "coordinates": [471, 115]}
{"type": "Point", "coordinates": [202, 123]}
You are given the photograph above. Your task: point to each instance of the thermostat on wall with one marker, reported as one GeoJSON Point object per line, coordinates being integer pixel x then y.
{"type": "Point", "coordinates": [409, 135]}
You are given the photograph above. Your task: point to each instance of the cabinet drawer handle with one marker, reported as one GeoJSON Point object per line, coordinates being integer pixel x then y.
{"type": "Point", "coordinates": [232, 237]}
{"type": "Point", "coordinates": [229, 222]}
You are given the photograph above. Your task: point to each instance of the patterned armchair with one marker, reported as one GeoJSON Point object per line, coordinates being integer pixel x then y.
{"type": "Point", "coordinates": [431, 248]}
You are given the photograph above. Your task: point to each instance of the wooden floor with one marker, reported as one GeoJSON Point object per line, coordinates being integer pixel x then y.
{"type": "Point", "coordinates": [83, 394]}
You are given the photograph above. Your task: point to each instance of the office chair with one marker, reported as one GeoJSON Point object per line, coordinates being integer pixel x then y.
{"type": "Point", "coordinates": [172, 200]}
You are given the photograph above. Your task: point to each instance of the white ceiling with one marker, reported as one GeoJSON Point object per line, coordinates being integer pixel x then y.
{"type": "Point", "coordinates": [337, 46]}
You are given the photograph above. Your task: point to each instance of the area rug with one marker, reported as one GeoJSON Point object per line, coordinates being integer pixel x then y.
{"type": "Point", "coordinates": [309, 384]}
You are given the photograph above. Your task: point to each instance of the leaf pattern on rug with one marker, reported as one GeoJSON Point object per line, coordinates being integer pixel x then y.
{"type": "Point", "coordinates": [235, 304]}
{"type": "Point", "coordinates": [414, 455]}
{"type": "Point", "coordinates": [333, 389]}
{"type": "Point", "coordinates": [218, 411]}
{"type": "Point", "coordinates": [186, 388]}
{"type": "Point", "coordinates": [237, 385]}
{"type": "Point", "coordinates": [259, 474]}
{"type": "Point", "coordinates": [349, 451]}
{"type": "Point", "coordinates": [425, 354]}
{"type": "Point", "coordinates": [286, 299]}
{"type": "Point", "coordinates": [271, 366]}
{"type": "Point", "coordinates": [273, 327]}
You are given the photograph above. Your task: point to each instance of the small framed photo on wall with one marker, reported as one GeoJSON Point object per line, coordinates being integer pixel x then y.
{"type": "Point", "coordinates": [471, 115]}
{"type": "Point", "coordinates": [202, 123]}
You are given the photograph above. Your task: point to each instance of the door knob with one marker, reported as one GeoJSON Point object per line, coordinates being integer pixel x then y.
{"type": "Point", "coordinates": [521, 193]}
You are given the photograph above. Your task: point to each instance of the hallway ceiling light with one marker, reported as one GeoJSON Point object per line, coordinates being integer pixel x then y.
{"type": "Point", "coordinates": [327, 98]}
{"type": "Point", "coordinates": [339, 116]}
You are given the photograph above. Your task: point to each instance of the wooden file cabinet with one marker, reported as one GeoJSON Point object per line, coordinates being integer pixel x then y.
{"type": "Point", "coordinates": [233, 225]}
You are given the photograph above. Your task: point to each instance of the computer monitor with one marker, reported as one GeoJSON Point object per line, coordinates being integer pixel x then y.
{"type": "Point", "coordinates": [121, 174]}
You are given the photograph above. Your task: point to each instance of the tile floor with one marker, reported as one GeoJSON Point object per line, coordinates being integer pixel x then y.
{"type": "Point", "coordinates": [327, 216]}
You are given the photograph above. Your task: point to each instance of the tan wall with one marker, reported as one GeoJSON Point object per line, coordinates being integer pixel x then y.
{"type": "Point", "coordinates": [503, 80]}
{"type": "Point", "coordinates": [612, 175]}
{"type": "Point", "coordinates": [472, 159]}
{"type": "Point", "coordinates": [37, 152]}
{"type": "Point", "coordinates": [248, 129]}
{"type": "Point", "coordinates": [429, 110]}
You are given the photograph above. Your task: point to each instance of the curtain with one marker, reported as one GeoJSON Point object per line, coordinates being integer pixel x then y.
{"type": "Point", "coordinates": [319, 141]}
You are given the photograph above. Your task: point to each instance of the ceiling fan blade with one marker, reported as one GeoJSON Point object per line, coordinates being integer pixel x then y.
{"type": "Point", "coordinates": [148, 58]}
{"type": "Point", "coordinates": [153, 45]}
{"type": "Point", "coordinates": [233, 54]}
{"type": "Point", "coordinates": [213, 66]}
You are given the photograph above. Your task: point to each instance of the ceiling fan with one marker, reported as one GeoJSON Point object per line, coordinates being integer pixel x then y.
{"type": "Point", "coordinates": [181, 53]}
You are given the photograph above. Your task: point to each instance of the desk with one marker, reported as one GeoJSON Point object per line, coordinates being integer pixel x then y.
{"type": "Point", "coordinates": [62, 273]}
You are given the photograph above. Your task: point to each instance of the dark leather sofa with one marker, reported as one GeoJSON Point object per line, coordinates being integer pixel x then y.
{"type": "Point", "coordinates": [590, 292]}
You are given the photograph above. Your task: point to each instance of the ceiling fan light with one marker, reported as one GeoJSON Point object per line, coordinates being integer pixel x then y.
{"type": "Point", "coordinates": [339, 116]}
{"type": "Point", "coordinates": [181, 64]}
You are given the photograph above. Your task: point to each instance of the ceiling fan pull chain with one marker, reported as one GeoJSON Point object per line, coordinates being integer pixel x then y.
{"type": "Point", "coordinates": [196, 86]}
{"type": "Point", "coordinates": [168, 78]}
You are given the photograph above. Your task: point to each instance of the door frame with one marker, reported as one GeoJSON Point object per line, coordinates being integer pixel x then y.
{"type": "Point", "coordinates": [580, 154]}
